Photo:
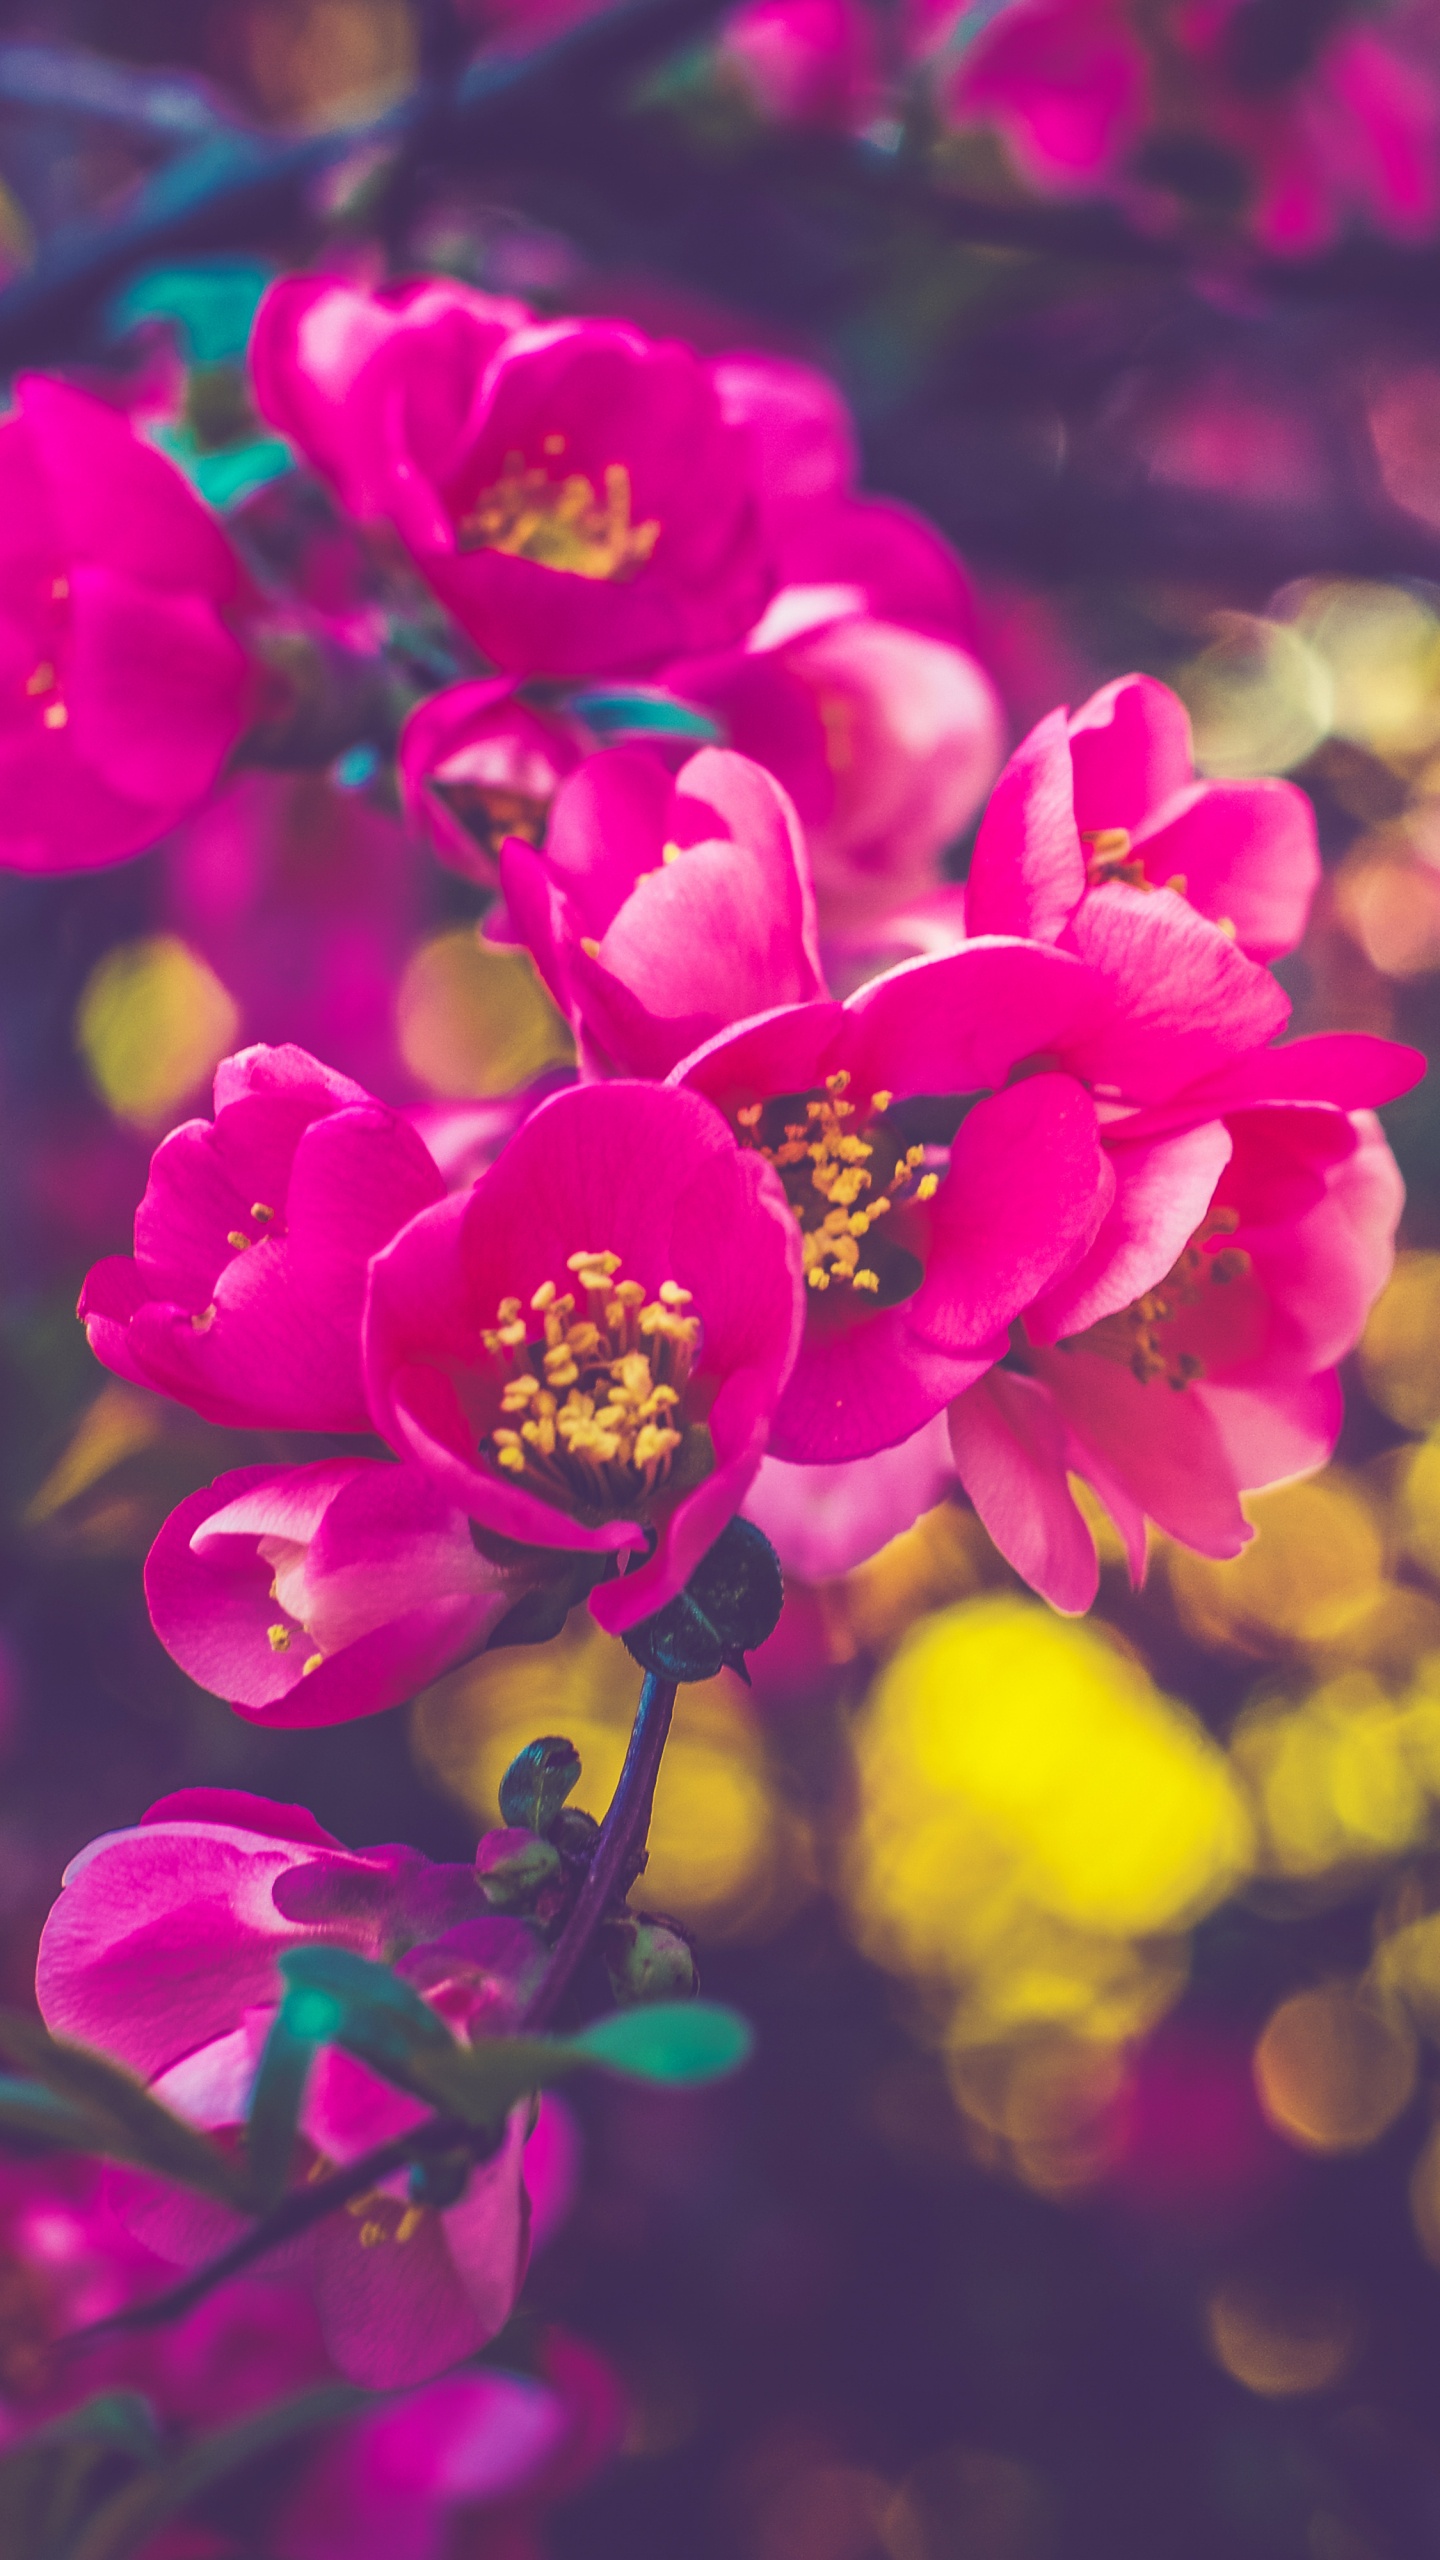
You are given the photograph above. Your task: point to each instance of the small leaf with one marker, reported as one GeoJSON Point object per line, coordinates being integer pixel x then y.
{"type": "Point", "coordinates": [335, 1997]}
{"type": "Point", "coordinates": [537, 1783]}
{"type": "Point", "coordinates": [128, 2123]}
{"type": "Point", "coordinates": [275, 2103]}
{"type": "Point", "coordinates": [730, 1604]}
{"type": "Point", "coordinates": [683, 2043]}
{"type": "Point", "coordinates": [643, 711]}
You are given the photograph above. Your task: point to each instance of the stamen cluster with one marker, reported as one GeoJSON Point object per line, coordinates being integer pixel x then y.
{"type": "Point", "coordinates": [1134, 1336]}
{"type": "Point", "coordinates": [561, 524]}
{"type": "Point", "coordinates": [595, 1403]}
{"type": "Point", "coordinates": [827, 1200]}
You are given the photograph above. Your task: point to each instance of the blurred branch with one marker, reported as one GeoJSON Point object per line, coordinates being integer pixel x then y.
{"type": "Point", "coordinates": [237, 178]}
{"type": "Point", "coordinates": [619, 1851]}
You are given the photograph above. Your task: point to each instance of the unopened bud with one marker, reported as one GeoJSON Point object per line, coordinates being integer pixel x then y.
{"type": "Point", "coordinates": [513, 1868]}
{"type": "Point", "coordinates": [648, 1958]}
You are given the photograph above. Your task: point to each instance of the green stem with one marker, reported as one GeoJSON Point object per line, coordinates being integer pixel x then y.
{"type": "Point", "coordinates": [617, 1851]}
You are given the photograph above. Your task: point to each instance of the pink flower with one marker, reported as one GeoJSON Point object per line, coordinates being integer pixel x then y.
{"type": "Point", "coordinates": [1110, 795]}
{"type": "Point", "coordinates": [1334, 118]}
{"type": "Point", "coordinates": [1066, 83]}
{"type": "Point", "coordinates": [123, 687]}
{"type": "Point", "coordinates": [310, 1595]}
{"type": "Point", "coordinates": [885, 738]}
{"type": "Point", "coordinates": [635, 1419]}
{"type": "Point", "coordinates": [810, 62]}
{"type": "Point", "coordinates": [243, 1299]}
{"type": "Point", "coordinates": [660, 912]}
{"type": "Point", "coordinates": [476, 766]}
{"type": "Point", "coordinates": [1191, 1356]}
{"type": "Point", "coordinates": [356, 380]}
{"type": "Point", "coordinates": [571, 489]}
{"type": "Point", "coordinates": [916, 1269]}
{"type": "Point", "coordinates": [161, 1952]}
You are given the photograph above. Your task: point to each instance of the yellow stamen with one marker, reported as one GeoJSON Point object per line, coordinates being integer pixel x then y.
{"type": "Point", "coordinates": [561, 524]}
{"type": "Point", "coordinates": [1135, 1336]}
{"type": "Point", "coordinates": [279, 1639]}
{"type": "Point", "coordinates": [826, 1169]}
{"type": "Point", "coordinates": [597, 1400]}
{"type": "Point", "coordinates": [312, 1665]}
{"type": "Point", "coordinates": [54, 716]}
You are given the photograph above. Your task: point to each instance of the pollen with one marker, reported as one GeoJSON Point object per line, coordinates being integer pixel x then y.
{"type": "Point", "coordinates": [54, 716]}
{"type": "Point", "coordinates": [591, 1404]}
{"type": "Point", "coordinates": [561, 524]}
{"type": "Point", "coordinates": [1138, 1337]}
{"type": "Point", "coordinates": [312, 1665]}
{"type": "Point", "coordinates": [279, 1639]}
{"type": "Point", "coordinates": [827, 1170]}
{"type": "Point", "coordinates": [42, 679]}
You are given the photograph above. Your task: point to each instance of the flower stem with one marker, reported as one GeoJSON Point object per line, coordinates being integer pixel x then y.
{"type": "Point", "coordinates": [617, 1851]}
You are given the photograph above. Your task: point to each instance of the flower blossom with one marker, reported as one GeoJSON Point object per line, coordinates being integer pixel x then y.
{"type": "Point", "coordinates": [1108, 795]}
{"type": "Point", "coordinates": [571, 489]}
{"type": "Point", "coordinates": [123, 687]}
{"type": "Point", "coordinates": [1173, 1394]}
{"type": "Point", "coordinates": [310, 1595]}
{"type": "Point", "coordinates": [659, 912]}
{"type": "Point", "coordinates": [244, 1295]}
{"type": "Point", "coordinates": [161, 1953]}
{"type": "Point", "coordinates": [476, 766]}
{"type": "Point", "coordinates": [1066, 82]}
{"type": "Point", "coordinates": [584, 1351]}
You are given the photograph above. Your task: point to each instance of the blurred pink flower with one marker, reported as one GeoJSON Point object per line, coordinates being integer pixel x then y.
{"type": "Point", "coordinates": [660, 912]}
{"type": "Point", "coordinates": [885, 738]}
{"type": "Point", "coordinates": [244, 1295]}
{"type": "Point", "coordinates": [123, 687]}
{"type": "Point", "coordinates": [570, 488]}
{"type": "Point", "coordinates": [310, 1595]}
{"type": "Point", "coordinates": [811, 62]}
{"type": "Point", "coordinates": [476, 765]}
{"type": "Point", "coordinates": [1110, 795]}
{"type": "Point", "coordinates": [638, 1423]}
{"type": "Point", "coordinates": [161, 1952]}
{"type": "Point", "coordinates": [1065, 82]}
{"type": "Point", "coordinates": [1192, 1355]}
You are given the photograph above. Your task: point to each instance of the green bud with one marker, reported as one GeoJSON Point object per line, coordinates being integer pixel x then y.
{"type": "Point", "coordinates": [537, 1782]}
{"type": "Point", "coordinates": [648, 1958]}
{"type": "Point", "coordinates": [730, 1604]}
{"type": "Point", "coordinates": [513, 1868]}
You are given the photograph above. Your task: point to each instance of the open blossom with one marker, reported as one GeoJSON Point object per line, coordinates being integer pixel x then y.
{"type": "Point", "coordinates": [475, 766]}
{"type": "Point", "coordinates": [1192, 1357]}
{"type": "Point", "coordinates": [123, 687]}
{"type": "Point", "coordinates": [660, 912]}
{"type": "Point", "coordinates": [161, 1952]}
{"type": "Point", "coordinates": [310, 1595]}
{"type": "Point", "coordinates": [584, 1351]}
{"type": "Point", "coordinates": [570, 488]}
{"type": "Point", "coordinates": [252, 1242]}
{"type": "Point", "coordinates": [1065, 82]}
{"type": "Point", "coordinates": [886, 739]}
{"type": "Point", "coordinates": [1110, 794]}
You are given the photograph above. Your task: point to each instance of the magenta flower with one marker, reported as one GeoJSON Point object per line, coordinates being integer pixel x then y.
{"type": "Point", "coordinates": [886, 739]}
{"type": "Point", "coordinates": [584, 1352]}
{"type": "Point", "coordinates": [356, 380]}
{"type": "Point", "coordinates": [571, 489]}
{"type": "Point", "coordinates": [123, 687]}
{"type": "Point", "coordinates": [1191, 1355]}
{"type": "Point", "coordinates": [310, 1595]}
{"type": "Point", "coordinates": [660, 912]}
{"type": "Point", "coordinates": [161, 1952]}
{"type": "Point", "coordinates": [476, 766]}
{"type": "Point", "coordinates": [808, 62]}
{"type": "Point", "coordinates": [1109, 796]}
{"type": "Point", "coordinates": [1065, 82]}
{"type": "Point", "coordinates": [918, 1250]}
{"type": "Point", "coordinates": [244, 1295]}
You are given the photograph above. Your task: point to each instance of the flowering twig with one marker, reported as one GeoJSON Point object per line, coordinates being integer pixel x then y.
{"type": "Point", "coordinates": [617, 1851]}
{"type": "Point", "coordinates": [616, 1857]}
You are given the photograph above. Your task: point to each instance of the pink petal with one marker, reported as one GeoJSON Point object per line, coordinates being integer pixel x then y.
{"type": "Point", "coordinates": [1027, 873]}
{"type": "Point", "coordinates": [1009, 1446]}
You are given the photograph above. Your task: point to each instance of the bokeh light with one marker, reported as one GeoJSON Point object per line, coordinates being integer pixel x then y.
{"type": "Point", "coordinates": [475, 1021]}
{"type": "Point", "coordinates": [152, 1023]}
{"type": "Point", "coordinates": [1334, 2069]}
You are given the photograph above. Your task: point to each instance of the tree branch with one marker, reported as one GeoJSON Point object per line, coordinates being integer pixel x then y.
{"type": "Point", "coordinates": [617, 1851]}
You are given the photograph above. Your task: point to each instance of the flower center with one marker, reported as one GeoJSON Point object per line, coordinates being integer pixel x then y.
{"type": "Point", "coordinates": [592, 1410]}
{"type": "Point", "coordinates": [562, 524]}
{"type": "Point", "coordinates": [826, 1170]}
{"type": "Point", "coordinates": [1136, 1336]}
{"type": "Point", "coordinates": [1110, 855]}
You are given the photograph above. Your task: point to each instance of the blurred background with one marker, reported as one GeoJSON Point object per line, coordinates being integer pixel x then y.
{"type": "Point", "coordinates": [1083, 2202]}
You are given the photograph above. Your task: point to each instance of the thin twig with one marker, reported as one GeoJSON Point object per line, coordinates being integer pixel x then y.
{"type": "Point", "coordinates": [617, 1851]}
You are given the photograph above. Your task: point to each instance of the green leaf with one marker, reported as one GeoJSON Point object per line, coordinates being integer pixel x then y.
{"type": "Point", "coordinates": [335, 1997]}
{"type": "Point", "coordinates": [537, 1782]}
{"type": "Point", "coordinates": [128, 2124]}
{"type": "Point", "coordinates": [224, 478]}
{"type": "Point", "coordinates": [211, 304]}
{"type": "Point", "coordinates": [275, 2103]}
{"type": "Point", "coordinates": [130, 2519]}
{"type": "Point", "coordinates": [682, 2043]}
{"type": "Point", "coordinates": [642, 711]}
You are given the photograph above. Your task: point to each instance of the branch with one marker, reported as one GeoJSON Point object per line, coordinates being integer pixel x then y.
{"type": "Point", "coordinates": [617, 1851]}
